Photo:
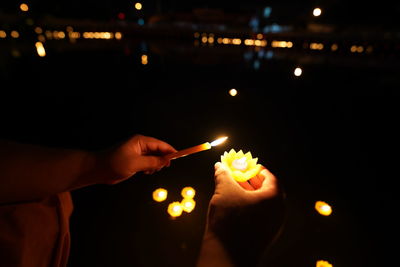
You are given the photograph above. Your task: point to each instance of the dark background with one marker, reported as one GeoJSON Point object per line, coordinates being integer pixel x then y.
{"type": "Point", "coordinates": [328, 135]}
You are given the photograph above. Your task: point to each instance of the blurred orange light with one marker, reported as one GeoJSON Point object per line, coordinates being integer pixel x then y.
{"type": "Point", "coordinates": [233, 92]}
{"type": "Point", "coordinates": [14, 34]}
{"type": "Point", "coordinates": [160, 194]}
{"type": "Point", "coordinates": [298, 71]}
{"type": "Point", "coordinates": [3, 34]}
{"type": "Point", "coordinates": [323, 208]}
{"type": "Point", "coordinates": [138, 6]}
{"type": "Point", "coordinates": [188, 192]}
{"type": "Point", "coordinates": [188, 204]}
{"type": "Point", "coordinates": [317, 12]}
{"type": "Point", "coordinates": [175, 209]}
{"type": "Point", "coordinates": [118, 35]}
{"type": "Point", "coordinates": [40, 49]}
{"type": "Point", "coordinates": [24, 7]}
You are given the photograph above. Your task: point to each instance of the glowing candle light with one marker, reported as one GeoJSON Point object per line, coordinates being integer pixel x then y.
{"type": "Point", "coordinates": [40, 49]}
{"type": "Point", "coordinates": [188, 192]}
{"type": "Point", "coordinates": [160, 194]}
{"type": "Point", "coordinates": [242, 166]}
{"type": "Point", "coordinates": [323, 208]}
{"type": "Point", "coordinates": [298, 71]}
{"type": "Point", "coordinates": [233, 92]}
{"type": "Point", "coordinates": [195, 149]}
{"type": "Point", "coordinates": [317, 12]}
{"type": "Point", "coordinates": [322, 263]}
{"type": "Point", "coordinates": [175, 209]}
{"type": "Point", "coordinates": [188, 204]}
{"type": "Point", "coordinates": [138, 6]}
{"type": "Point", "coordinates": [24, 7]}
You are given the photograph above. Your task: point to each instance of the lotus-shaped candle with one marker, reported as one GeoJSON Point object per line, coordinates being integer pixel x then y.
{"type": "Point", "coordinates": [242, 166]}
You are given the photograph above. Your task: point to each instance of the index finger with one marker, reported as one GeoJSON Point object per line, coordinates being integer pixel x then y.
{"type": "Point", "coordinates": [150, 145]}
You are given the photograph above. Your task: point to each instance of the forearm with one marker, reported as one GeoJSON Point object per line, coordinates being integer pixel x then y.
{"type": "Point", "coordinates": [29, 172]}
{"type": "Point", "coordinates": [213, 253]}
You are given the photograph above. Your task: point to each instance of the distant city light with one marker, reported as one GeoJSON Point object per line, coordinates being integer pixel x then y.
{"type": "Point", "coordinates": [323, 208]}
{"type": "Point", "coordinates": [233, 92]}
{"type": "Point", "coordinates": [118, 35]}
{"type": "Point", "coordinates": [14, 34]}
{"type": "Point", "coordinates": [138, 6]}
{"type": "Point", "coordinates": [317, 12]}
{"type": "Point", "coordinates": [144, 59]}
{"type": "Point", "coordinates": [298, 71]}
{"type": "Point", "coordinates": [40, 49]}
{"type": "Point", "coordinates": [24, 7]}
{"type": "Point", "coordinates": [334, 47]}
{"type": "Point", "coordinates": [3, 34]}
{"type": "Point", "coordinates": [316, 46]}
{"type": "Point", "coordinates": [38, 30]}
{"type": "Point", "coordinates": [267, 12]}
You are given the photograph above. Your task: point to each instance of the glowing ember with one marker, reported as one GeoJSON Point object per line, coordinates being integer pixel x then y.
{"type": "Point", "coordinates": [175, 209]}
{"type": "Point", "coordinates": [242, 166]}
{"type": "Point", "coordinates": [323, 208]}
{"type": "Point", "coordinates": [188, 204]}
{"type": "Point", "coordinates": [160, 194]}
{"type": "Point", "coordinates": [188, 192]}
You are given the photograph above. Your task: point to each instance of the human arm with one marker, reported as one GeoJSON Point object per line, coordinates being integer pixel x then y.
{"type": "Point", "coordinates": [29, 172]}
{"type": "Point", "coordinates": [242, 219]}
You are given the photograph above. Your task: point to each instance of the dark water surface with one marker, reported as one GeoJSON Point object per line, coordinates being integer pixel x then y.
{"type": "Point", "coordinates": [328, 135]}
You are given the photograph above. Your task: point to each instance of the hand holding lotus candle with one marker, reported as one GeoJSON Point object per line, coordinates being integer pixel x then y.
{"type": "Point", "coordinates": [244, 168]}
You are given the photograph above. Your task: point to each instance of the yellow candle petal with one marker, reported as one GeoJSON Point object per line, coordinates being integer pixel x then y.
{"type": "Point", "coordinates": [232, 159]}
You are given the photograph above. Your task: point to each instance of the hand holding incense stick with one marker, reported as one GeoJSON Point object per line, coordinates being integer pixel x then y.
{"type": "Point", "coordinates": [195, 149]}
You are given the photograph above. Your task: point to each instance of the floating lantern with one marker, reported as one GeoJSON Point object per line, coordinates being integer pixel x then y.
{"type": "Point", "coordinates": [188, 204]}
{"type": "Point", "coordinates": [175, 209]}
{"type": "Point", "coordinates": [188, 192]}
{"type": "Point", "coordinates": [322, 263]}
{"type": "Point", "coordinates": [242, 166]}
{"type": "Point", "coordinates": [323, 208]}
{"type": "Point", "coordinates": [160, 194]}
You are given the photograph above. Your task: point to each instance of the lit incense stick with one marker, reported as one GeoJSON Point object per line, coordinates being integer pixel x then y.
{"type": "Point", "coordinates": [195, 149]}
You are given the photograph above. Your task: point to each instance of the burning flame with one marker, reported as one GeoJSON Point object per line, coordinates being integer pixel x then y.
{"type": "Point", "coordinates": [219, 141]}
